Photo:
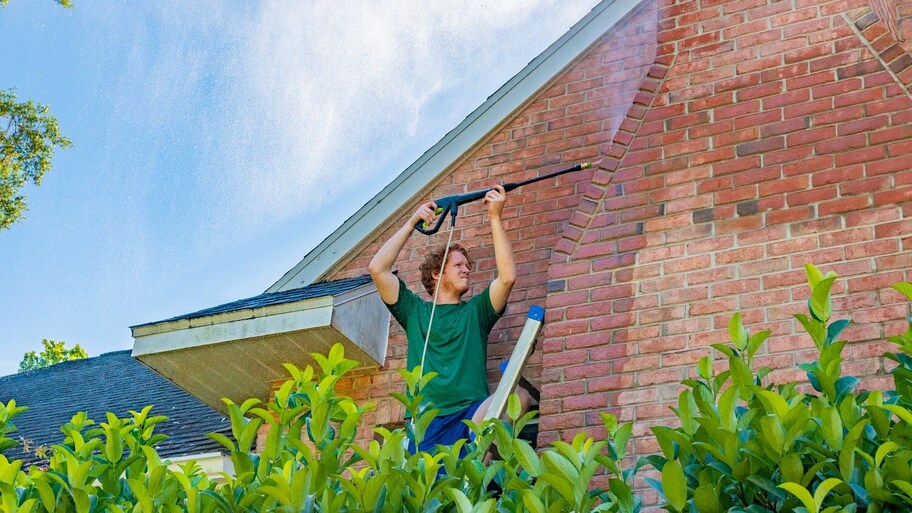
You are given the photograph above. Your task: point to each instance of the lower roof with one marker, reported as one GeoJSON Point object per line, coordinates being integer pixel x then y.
{"type": "Point", "coordinates": [113, 382]}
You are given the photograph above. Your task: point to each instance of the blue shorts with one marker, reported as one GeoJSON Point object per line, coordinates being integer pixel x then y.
{"type": "Point", "coordinates": [447, 429]}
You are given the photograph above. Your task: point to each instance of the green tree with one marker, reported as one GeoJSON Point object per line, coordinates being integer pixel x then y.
{"type": "Point", "coordinates": [54, 352]}
{"type": "Point", "coordinates": [26, 146]}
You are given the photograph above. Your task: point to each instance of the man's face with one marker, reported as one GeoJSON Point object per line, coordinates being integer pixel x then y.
{"type": "Point", "coordinates": [456, 273]}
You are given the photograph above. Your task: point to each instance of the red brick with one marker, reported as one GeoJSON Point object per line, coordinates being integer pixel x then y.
{"type": "Point", "coordinates": [815, 226]}
{"type": "Point", "coordinates": [686, 295]}
{"type": "Point", "coordinates": [849, 113]}
{"type": "Point", "coordinates": [758, 119]}
{"type": "Point", "coordinates": [872, 216]}
{"type": "Point", "coordinates": [739, 255]}
{"type": "Point", "coordinates": [793, 245]}
{"type": "Point", "coordinates": [844, 205]}
{"type": "Point", "coordinates": [786, 99]}
{"type": "Point", "coordinates": [788, 155]}
{"type": "Point", "coordinates": [889, 165]}
{"type": "Point", "coordinates": [811, 107]}
{"type": "Point", "coordinates": [841, 144]}
{"type": "Point", "coordinates": [878, 183]}
{"type": "Point", "coordinates": [860, 97]}
{"type": "Point", "coordinates": [888, 105]}
{"type": "Point", "coordinates": [875, 282]}
{"type": "Point", "coordinates": [869, 249]}
{"type": "Point", "coordinates": [789, 215]}
{"type": "Point", "coordinates": [761, 146]}
{"type": "Point", "coordinates": [891, 134]}
{"type": "Point", "coordinates": [837, 176]}
{"type": "Point", "coordinates": [844, 237]}
{"type": "Point", "coordinates": [765, 298]}
{"type": "Point", "coordinates": [898, 149]}
{"type": "Point", "coordinates": [811, 196]}
{"type": "Point", "coordinates": [814, 79]}
{"type": "Point", "coordinates": [862, 125]}
{"type": "Point", "coordinates": [786, 279]}
{"type": "Point", "coordinates": [892, 197]}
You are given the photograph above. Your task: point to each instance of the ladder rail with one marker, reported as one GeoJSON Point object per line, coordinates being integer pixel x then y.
{"type": "Point", "coordinates": [513, 373]}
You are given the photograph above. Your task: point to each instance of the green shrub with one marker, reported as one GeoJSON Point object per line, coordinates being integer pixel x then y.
{"type": "Point", "coordinates": [310, 462]}
{"type": "Point", "coordinates": [747, 445]}
{"type": "Point", "coordinates": [744, 445]}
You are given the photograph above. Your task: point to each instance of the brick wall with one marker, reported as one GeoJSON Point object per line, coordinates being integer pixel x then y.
{"type": "Point", "coordinates": [775, 136]}
{"type": "Point", "coordinates": [564, 124]}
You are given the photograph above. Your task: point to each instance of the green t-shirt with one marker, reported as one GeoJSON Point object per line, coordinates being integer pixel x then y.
{"type": "Point", "coordinates": [457, 349]}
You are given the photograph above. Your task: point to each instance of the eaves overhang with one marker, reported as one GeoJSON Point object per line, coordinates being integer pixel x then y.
{"type": "Point", "coordinates": [236, 350]}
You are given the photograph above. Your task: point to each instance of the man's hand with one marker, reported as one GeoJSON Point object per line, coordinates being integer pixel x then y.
{"type": "Point", "coordinates": [426, 213]}
{"type": "Point", "coordinates": [381, 266]}
{"type": "Point", "coordinates": [495, 199]}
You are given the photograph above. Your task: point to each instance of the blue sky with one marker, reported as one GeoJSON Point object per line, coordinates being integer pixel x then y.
{"type": "Point", "coordinates": [216, 143]}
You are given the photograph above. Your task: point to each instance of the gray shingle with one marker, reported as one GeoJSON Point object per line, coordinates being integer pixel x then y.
{"type": "Point", "coordinates": [113, 382]}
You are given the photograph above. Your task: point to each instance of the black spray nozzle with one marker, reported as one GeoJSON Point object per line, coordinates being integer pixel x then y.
{"type": "Point", "coordinates": [450, 204]}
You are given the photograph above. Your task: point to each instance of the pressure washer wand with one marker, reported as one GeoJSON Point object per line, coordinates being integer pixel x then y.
{"type": "Point", "coordinates": [450, 204]}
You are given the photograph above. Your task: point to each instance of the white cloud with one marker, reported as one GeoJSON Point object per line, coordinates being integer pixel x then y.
{"type": "Point", "coordinates": [328, 94]}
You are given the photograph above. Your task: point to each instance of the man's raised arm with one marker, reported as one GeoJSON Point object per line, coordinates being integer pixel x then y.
{"type": "Point", "coordinates": [381, 266]}
{"type": "Point", "coordinates": [503, 252]}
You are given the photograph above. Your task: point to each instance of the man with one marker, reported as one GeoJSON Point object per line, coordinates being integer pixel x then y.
{"type": "Point", "coordinates": [457, 348]}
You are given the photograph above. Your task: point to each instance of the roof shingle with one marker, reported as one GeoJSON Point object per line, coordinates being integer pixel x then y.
{"type": "Point", "coordinates": [321, 289]}
{"type": "Point", "coordinates": [112, 382]}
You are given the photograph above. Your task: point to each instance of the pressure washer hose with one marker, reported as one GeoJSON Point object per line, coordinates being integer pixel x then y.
{"type": "Point", "coordinates": [427, 337]}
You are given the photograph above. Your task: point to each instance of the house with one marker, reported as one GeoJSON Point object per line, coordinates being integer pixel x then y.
{"type": "Point", "coordinates": [117, 383]}
{"type": "Point", "coordinates": [745, 138]}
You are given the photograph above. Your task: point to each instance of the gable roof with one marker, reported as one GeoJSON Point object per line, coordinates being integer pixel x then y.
{"type": "Point", "coordinates": [112, 382]}
{"type": "Point", "coordinates": [346, 240]}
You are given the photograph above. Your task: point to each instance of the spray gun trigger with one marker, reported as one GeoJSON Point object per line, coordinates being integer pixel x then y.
{"type": "Point", "coordinates": [425, 225]}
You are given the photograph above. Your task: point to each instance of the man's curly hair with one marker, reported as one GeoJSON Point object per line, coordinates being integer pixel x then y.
{"type": "Point", "coordinates": [432, 263]}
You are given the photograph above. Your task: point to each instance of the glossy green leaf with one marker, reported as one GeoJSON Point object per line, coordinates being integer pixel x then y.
{"type": "Point", "coordinates": [674, 485]}
{"type": "Point", "coordinates": [821, 306]}
{"type": "Point", "coordinates": [884, 450]}
{"type": "Point", "coordinates": [532, 502]}
{"type": "Point", "coordinates": [737, 332]}
{"type": "Point", "coordinates": [526, 456]}
{"type": "Point", "coordinates": [903, 414]}
{"type": "Point", "coordinates": [706, 499]}
{"type": "Point", "coordinates": [791, 468]}
{"type": "Point", "coordinates": [823, 489]}
{"type": "Point", "coordinates": [814, 276]}
{"type": "Point", "coordinates": [802, 494]}
{"type": "Point", "coordinates": [904, 288]}
{"type": "Point", "coordinates": [704, 368]}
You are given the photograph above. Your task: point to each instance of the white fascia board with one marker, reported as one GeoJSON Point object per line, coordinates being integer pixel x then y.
{"type": "Point", "coordinates": [382, 208]}
{"type": "Point", "coordinates": [313, 314]}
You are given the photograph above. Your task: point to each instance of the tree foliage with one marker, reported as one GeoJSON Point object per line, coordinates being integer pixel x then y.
{"type": "Point", "coordinates": [27, 143]}
{"type": "Point", "coordinates": [54, 353]}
